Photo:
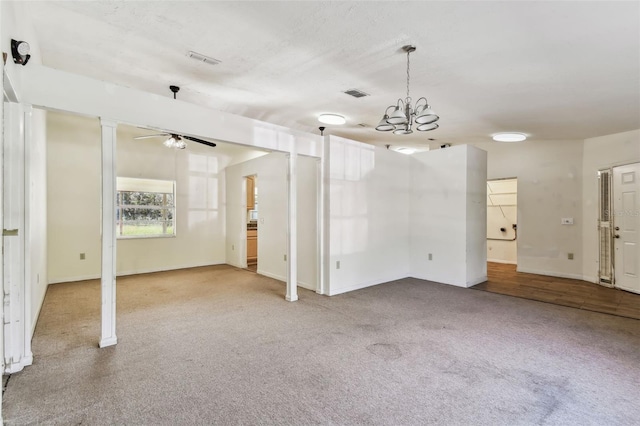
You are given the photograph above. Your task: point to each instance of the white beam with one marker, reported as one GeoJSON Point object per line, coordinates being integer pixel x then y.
{"type": "Point", "coordinates": [59, 90]}
{"type": "Point", "coordinates": [292, 234]}
{"type": "Point", "coordinates": [108, 284]}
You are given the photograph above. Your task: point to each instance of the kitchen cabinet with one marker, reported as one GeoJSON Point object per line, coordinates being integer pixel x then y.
{"type": "Point", "coordinates": [251, 184]}
{"type": "Point", "coordinates": [252, 247]}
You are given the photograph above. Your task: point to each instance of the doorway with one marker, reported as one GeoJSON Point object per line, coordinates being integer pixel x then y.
{"type": "Point", "coordinates": [626, 227]}
{"type": "Point", "coordinates": [502, 221]}
{"type": "Point", "coordinates": [251, 219]}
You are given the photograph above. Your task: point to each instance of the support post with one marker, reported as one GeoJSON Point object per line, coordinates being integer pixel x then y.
{"type": "Point", "coordinates": [108, 284]}
{"type": "Point", "coordinates": [292, 234]}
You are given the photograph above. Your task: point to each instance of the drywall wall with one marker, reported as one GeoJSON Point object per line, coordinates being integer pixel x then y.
{"type": "Point", "coordinates": [448, 216]}
{"type": "Point", "coordinates": [73, 182]}
{"type": "Point", "coordinates": [502, 213]}
{"type": "Point", "coordinates": [549, 188]}
{"type": "Point", "coordinates": [601, 153]}
{"type": "Point", "coordinates": [271, 172]}
{"type": "Point", "coordinates": [307, 194]}
{"type": "Point", "coordinates": [368, 215]}
{"type": "Point", "coordinates": [36, 179]}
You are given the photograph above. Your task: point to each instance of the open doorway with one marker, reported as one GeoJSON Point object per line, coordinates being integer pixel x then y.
{"type": "Point", "coordinates": [252, 222]}
{"type": "Point", "coordinates": [502, 221]}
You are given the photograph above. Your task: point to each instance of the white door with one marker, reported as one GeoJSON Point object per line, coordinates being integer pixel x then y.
{"type": "Point", "coordinates": [626, 226]}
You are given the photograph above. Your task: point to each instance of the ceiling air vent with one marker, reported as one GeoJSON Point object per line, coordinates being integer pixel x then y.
{"type": "Point", "coordinates": [202, 58]}
{"type": "Point", "coordinates": [356, 93]}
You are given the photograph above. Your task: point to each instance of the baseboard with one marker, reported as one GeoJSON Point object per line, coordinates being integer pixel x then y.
{"type": "Point", "coordinates": [270, 275]}
{"type": "Point", "coordinates": [477, 281]}
{"type": "Point", "coordinates": [75, 279]}
{"type": "Point", "coordinates": [110, 341]}
{"type": "Point", "coordinates": [507, 262]}
{"type": "Point", "coordinates": [550, 273]}
{"type": "Point", "coordinates": [461, 285]}
{"type": "Point", "coordinates": [360, 286]}
{"type": "Point", "coordinates": [126, 273]}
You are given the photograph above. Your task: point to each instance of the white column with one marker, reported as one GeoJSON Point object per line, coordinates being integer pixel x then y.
{"type": "Point", "coordinates": [13, 192]}
{"type": "Point", "coordinates": [292, 234]}
{"type": "Point", "coordinates": [323, 216]}
{"type": "Point", "coordinates": [28, 224]}
{"type": "Point", "coordinates": [108, 288]}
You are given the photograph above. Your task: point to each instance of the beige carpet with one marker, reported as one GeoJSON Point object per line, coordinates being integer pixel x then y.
{"type": "Point", "coordinates": [219, 345]}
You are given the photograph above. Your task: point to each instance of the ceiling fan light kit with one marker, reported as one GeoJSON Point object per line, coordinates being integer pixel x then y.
{"type": "Point", "coordinates": [400, 117]}
{"type": "Point", "coordinates": [174, 140]}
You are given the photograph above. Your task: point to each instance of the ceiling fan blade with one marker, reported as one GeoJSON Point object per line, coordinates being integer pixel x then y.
{"type": "Point", "coordinates": [191, 138]}
{"type": "Point", "coordinates": [152, 136]}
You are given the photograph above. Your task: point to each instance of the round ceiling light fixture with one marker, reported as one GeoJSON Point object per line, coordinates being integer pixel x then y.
{"type": "Point", "coordinates": [509, 137]}
{"type": "Point", "coordinates": [331, 119]}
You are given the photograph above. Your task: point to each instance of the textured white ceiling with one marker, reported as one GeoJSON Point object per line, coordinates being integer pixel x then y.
{"type": "Point", "coordinates": [554, 70]}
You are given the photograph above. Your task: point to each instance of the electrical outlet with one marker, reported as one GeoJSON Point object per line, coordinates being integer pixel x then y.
{"type": "Point", "coordinates": [567, 221]}
{"type": "Point", "coordinates": [570, 256]}
{"type": "Point", "coordinates": [233, 247]}
{"type": "Point", "coordinates": [82, 256]}
{"type": "Point", "coordinates": [285, 257]}
{"type": "Point", "coordinates": [337, 264]}
{"type": "Point", "coordinates": [430, 256]}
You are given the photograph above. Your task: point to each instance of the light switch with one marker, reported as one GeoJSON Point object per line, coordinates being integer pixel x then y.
{"type": "Point", "coordinates": [567, 221]}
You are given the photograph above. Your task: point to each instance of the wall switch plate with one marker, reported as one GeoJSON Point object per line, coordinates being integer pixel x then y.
{"type": "Point", "coordinates": [430, 256]}
{"type": "Point", "coordinates": [233, 247]}
{"type": "Point", "coordinates": [570, 256]}
{"type": "Point", "coordinates": [285, 257]}
{"type": "Point", "coordinates": [82, 256]}
{"type": "Point", "coordinates": [262, 220]}
{"type": "Point", "coordinates": [337, 264]}
{"type": "Point", "coordinates": [567, 221]}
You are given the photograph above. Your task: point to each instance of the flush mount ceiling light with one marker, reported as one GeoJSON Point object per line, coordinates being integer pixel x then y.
{"type": "Point", "coordinates": [509, 137]}
{"type": "Point", "coordinates": [404, 114]}
{"type": "Point", "coordinates": [407, 151]}
{"type": "Point", "coordinates": [331, 119]}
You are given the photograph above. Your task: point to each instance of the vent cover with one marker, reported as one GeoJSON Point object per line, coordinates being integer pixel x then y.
{"type": "Point", "coordinates": [202, 58]}
{"type": "Point", "coordinates": [604, 228]}
{"type": "Point", "coordinates": [356, 93]}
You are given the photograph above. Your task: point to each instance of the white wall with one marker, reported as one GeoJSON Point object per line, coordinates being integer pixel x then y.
{"type": "Point", "coordinates": [368, 215]}
{"type": "Point", "coordinates": [549, 188]}
{"type": "Point", "coordinates": [449, 216]}
{"type": "Point", "coordinates": [600, 153]}
{"type": "Point", "coordinates": [74, 200]}
{"type": "Point", "coordinates": [307, 194]}
{"type": "Point", "coordinates": [502, 212]}
{"type": "Point", "coordinates": [16, 24]}
{"type": "Point", "coordinates": [271, 171]}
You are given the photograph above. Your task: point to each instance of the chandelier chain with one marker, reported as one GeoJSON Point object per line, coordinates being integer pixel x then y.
{"type": "Point", "coordinates": [408, 75]}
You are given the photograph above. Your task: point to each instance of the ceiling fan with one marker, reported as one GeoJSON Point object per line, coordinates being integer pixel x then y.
{"type": "Point", "coordinates": [175, 140]}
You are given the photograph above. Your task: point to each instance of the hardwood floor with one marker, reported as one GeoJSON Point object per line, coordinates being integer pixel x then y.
{"type": "Point", "coordinates": [504, 279]}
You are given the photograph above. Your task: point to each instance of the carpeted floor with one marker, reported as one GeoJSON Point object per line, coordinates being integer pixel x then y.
{"type": "Point", "coordinates": [219, 345]}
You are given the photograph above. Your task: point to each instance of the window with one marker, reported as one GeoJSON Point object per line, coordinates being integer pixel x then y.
{"type": "Point", "coordinates": [146, 208]}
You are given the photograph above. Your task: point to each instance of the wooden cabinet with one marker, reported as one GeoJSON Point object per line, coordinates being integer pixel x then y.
{"type": "Point", "coordinates": [252, 247]}
{"type": "Point", "coordinates": [251, 191]}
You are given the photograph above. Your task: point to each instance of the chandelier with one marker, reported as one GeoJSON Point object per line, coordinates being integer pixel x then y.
{"type": "Point", "coordinates": [401, 119]}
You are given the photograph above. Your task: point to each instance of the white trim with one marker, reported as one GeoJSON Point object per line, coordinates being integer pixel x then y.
{"type": "Point", "coordinates": [477, 281]}
{"type": "Point", "coordinates": [292, 230]}
{"type": "Point", "coordinates": [506, 262]}
{"type": "Point", "coordinates": [108, 342]}
{"type": "Point", "coordinates": [360, 286]}
{"type": "Point", "coordinates": [270, 275]}
{"type": "Point", "coordinates": [108, 234]}
{"type": "Point", "coordinates": [461, 285]}
{"type": "Point", "coordinates": [137, 272]}
{"type": "Point", "coordinates": [550, 273]}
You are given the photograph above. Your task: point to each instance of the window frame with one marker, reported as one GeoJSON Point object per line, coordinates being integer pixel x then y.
{"type": "Point", "coordinates": [130, 183]}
